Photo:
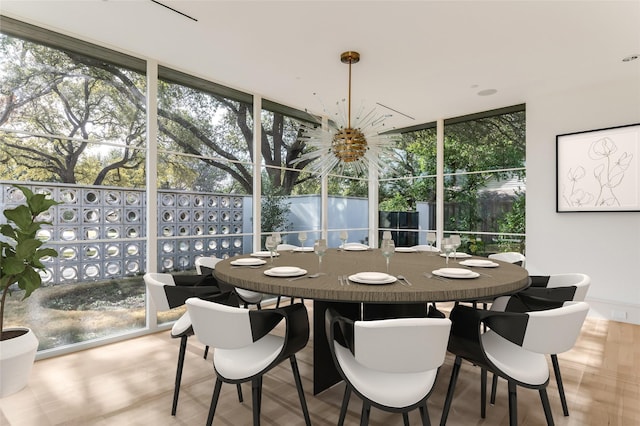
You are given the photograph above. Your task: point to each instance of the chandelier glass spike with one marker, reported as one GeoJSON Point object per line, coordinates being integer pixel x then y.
{"type": "Point", "coordinates": [339, 145]}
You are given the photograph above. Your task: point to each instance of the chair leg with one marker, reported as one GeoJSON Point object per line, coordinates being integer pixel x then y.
{"type": "Point", "coordinates": [256, 387]}
{"type": "Point", "coordinates": [345, 403]}
{"type": "Point", "coordinates": [405, 418]}
{"type": "Point", "coordinates": [240, 399]}
{"type": "Point", "coordinates": [452, 385]}
{"type": "Point", "coordinates": [278, 302]}
{"type": "Point", "coordinates": [303, 401]}
{"type": "Point", "coordinates": [556, 370]}
{"type": "Point", "coordinates": [547, 408]}
{"type": "Point", "coordinates": [364, 417]}
{"type": "Point", "coordinates": [214, 401]}
{"type": "Point", "coordinates": [483, 393]}
{"type": "Point", "coordinates": [424, 415]}
{"type": "Point", "coordinates": [258, 306]}
{"type": "Point", "coordinates": [513, 404]}
{"type": "Point", "coordinates": [494, 386]}
{"type": "Point", "coordinates": [176, 387]}
{"type": "Point", "coordinates": [206, 352]}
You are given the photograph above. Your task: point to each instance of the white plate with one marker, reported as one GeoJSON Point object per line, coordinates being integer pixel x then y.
{"type": "Point", "coordinates": [285, 271]}
{"type": "Point", "coordinates": [406, 249]}
{"type": "Point", "coordinates": [362, 278]}
{"type": "Point", "coordinates": [459, 255]}
{"type": "Point", "coordinates": [479, 263]}
{"type": "Point", "coordinates": [455, 273]}
{"type": "Point", "coordinates": [264, 254]}
{"type": "Point", "coordinates": [372, 276]}
{"type": "Point", "coordinates": [356, 247]}
{"type": "Point", "coordinates": [303, 249]}
{"type": "Point", "coordinates": [247, 261]}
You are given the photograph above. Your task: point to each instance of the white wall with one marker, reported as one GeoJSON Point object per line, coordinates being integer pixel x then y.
{"type": "Point", "coordinates": [606, 246]}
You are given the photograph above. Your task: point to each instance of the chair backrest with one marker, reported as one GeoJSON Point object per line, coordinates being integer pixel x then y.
{"type": "Point", "coordinates": [403, 345]}
{"type": "Point", "coordinates": [580, 281]}
{"type": "Point", "coordinates": [155, 283]}
{"type": "Point", "coordinates": [206, 264]}
{"type": "Point", "coordinates": [218, 325]}
{"type": "Point", "coordinates": [426, 247]}
{"type": "Point", "coordinates": [555, 331]}
{"type": "Point", "coordinates": [283, 247]}
{"type": "Point", "coordinates": [509, 256]}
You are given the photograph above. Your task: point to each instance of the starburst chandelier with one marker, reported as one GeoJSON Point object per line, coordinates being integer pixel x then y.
{"type": "Point", "coordinates": [339, 146]}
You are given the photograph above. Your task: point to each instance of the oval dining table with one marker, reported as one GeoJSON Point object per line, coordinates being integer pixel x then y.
{"type": "Point", "coordinates": [401, 298]}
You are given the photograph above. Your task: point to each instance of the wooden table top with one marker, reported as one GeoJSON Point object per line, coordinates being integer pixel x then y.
{"type": "Point", "coordinates": [504, 279]}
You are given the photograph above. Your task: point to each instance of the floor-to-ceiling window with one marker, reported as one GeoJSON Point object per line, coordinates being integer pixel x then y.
{"type": "Point", "coordinates": [73, 126]}
{"type": "Point", "coordinates": [484, 180]}
{"type": "Point", "coordinates": [290, 195]}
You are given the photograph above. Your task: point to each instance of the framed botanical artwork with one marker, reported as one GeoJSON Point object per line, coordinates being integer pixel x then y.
{"type": "Point", "coordinates": [598, 170]}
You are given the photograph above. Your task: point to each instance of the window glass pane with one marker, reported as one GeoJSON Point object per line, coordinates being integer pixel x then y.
{"type": "Point", "coordinates": [74, 127]}
{"type": "Point", "coordinates": [348, 208]}
{"type": "Point", "coordinates": [408, 189]}
{"type": "Point", "coordinates": [484, 181]}
{"type": "Point", "coordinates": [290, 196]}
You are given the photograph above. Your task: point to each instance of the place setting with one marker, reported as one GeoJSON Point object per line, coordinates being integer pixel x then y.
{"type": "Point", "coordinates": [455, 273]}
{"type": "Point", "coordinates": [373, 278]}
{"type": "Point", "coordinates": [247, 262]}
{"type": "Point", "coordinates": [285, 271]}
{"type": "Point", "coordinates": [479, 263]}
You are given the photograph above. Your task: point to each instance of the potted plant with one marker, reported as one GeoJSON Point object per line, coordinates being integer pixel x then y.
{"type": "Point", "coordinates": [20, 263]}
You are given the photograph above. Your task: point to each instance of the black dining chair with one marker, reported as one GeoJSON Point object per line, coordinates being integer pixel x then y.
{"type": "Point", "coordinates": [390, 364]}
{"type": "Point", "coordinates": [245, 347]}
{"type": "Point", "coordinates": [514, 348]}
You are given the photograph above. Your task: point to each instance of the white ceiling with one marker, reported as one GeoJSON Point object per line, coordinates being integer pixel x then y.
{"type": "Point", "coordinates": [425, 59]}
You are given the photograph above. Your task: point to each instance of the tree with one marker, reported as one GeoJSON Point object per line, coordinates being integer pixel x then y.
{"type": "Point", "coordinates": [60, 108]}
{"type": "Point", "coordinates": [75, 100]}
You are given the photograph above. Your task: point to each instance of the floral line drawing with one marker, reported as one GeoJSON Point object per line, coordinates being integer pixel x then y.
{"type": "Point", "coordinates": [598, 170]}
{"type": "Point", "coordinates": [609, 173]}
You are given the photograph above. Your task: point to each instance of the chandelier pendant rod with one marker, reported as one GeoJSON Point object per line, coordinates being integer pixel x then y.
{"type": "Point", "coordinates": [349, 58]}
{"type": "Point", "coordinates": [349, 103]}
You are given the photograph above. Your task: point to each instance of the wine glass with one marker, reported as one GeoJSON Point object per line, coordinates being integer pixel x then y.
{"type": "Point", "coordinates": [320, 247]}
{"type": "Point", "coordinates": [343, 237]}
{"type": "Point", "coordinates": [447, 248]}
{"type": "Point", "coordinates": [432, 237]}
{"type": "Point", "coordinates": [277, 237]}
{"type": "Point", "coordinates": [270, 244]}
{"type": "Point", "coordinates": [302, 236]}
{"type": "Point", "coordinates": [386, 235]}
{"type": "Point", "coordinates": [455, 241]}
{"type": "Point", "coordinates": [388, 248]}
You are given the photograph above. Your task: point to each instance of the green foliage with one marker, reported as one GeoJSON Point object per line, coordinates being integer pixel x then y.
{"type": "Point", "coordinates": [514, 221]}
{"type": "Point", "coordinates": [396, 204]}
{"type": "Point", "coordinates": [21, 252]}
{"type": "Point", "coordinates": [275, 209]}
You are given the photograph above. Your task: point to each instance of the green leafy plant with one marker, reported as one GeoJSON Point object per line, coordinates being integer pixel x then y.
{"type": "Point", "coordinates": [21, 252]}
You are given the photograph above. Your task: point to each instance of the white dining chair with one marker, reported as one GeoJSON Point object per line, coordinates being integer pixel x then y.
{"type": "Point", "coordinates": [390, 364]}
{"type": "Point", "coordinates": [166, 295]}
{"type": "Point", "coordinates": [514, 347]}
{"type": "Point", "coordinates": [544, 292]}
{"type": "Point", "coordinates": [205, 265]}
{"type": "Point", "coordinates": [245, 347]}
{"type": "Point", "coordinates": [509, 256]}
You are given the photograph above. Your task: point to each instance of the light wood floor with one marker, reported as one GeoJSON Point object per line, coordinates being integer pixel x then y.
{"type": "Point", "coordinates": [131, 383]}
